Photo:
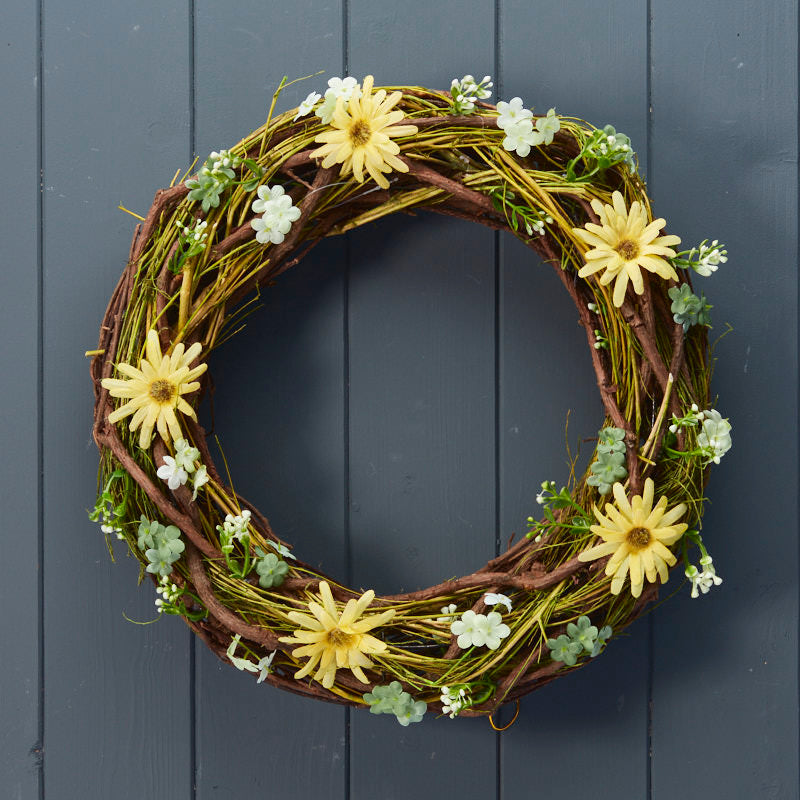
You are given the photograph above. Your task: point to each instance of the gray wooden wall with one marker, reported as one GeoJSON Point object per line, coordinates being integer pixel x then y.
{"type": "Point", "coordinates": [397, 401]}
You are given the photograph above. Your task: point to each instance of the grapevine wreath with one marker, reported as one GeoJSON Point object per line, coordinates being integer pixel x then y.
{"type": "Point", "coordinates": [594, 560]}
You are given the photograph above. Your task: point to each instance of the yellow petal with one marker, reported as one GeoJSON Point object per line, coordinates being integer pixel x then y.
{"type": "Point", "coordinates": [153, 347]}
{"type": "Point", "coordinates": [619, 577]}
{"type": "Point", "coordinates": [659, 550]}
{"type": "Point", "coordinates": [635, 566]}
{"type": "Point", "coordinates": [327, 620]}
{"type": "Point", "coordinates": [672, 534]}
{"type": "Point", "coordinates": [327, 599]}
{"type": "Point", "coordinates": [598, 551]}
{"type": "Point", "coordinates": [372, 621]}
{"type": "Point", "coordinates": [648, 561]}
{"type": "Point", "coordinates": [619, 289]}
{"type": "Point", "coordinates": [620, 496]}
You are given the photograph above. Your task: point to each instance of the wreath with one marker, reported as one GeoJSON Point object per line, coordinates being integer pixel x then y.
{"type": "Point", "coordinates": [594, 558]}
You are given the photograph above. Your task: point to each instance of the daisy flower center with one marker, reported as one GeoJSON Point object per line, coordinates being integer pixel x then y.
{"type": "Point", "coordinates": [627, 249]}
{"type": "Point", "coordinates": [638, 538]}
{"type": "Point", "coordinates": [338, 638]}
{"type": "Point", "coordinates": [162, 391]}
{"type": "Point", "coordinates": [360, 133]}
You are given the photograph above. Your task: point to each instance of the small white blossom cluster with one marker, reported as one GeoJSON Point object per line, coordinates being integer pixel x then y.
{"type": "Point", "coordinates": [277, 214]}
{"type": "Point", "coordinates": [703, 580]}
{"type": "Point", "coordinates": [107, 524]}
{"type": "Point", "coordinates": [465, 92]}
{"type": "Point", "coordinates": [548, 488]}
{"type": "Point", "coordinates": [263, 667]}
{"type": "Point", "coordinates": [612, 146]}
{"type": "Point", "coordinates": [169, 592]}
{"type": "Point", "coordinates": [453, 701]}
{"type": "Point", "coordinates": [195, 235]}
{"type": "Point", "coordinates": [222, 162]}
{"type": "Point", "coordinates": [709, 257]}
{"type": "Point", "coordinates": [175, 470]}
{"type": "Point", "coordinates": [447, 612]}
{"type": "Point", "coordinates": [694, 416]}
{"type": "Point", "coordinates": [480, 630]}
{"type": "Point", "coordinates": [537, 225]}
{"type": "Point", "coordinates": [703, 259]}
{"type": "Point", "coordinates": [609, 145]}
{"type": "Point", "coordinates": [714, 438]}
{"type": "Point", "coordinates": [213, 178]}
{"type": "Point", "coordinates": [343, 88]}
{"type": "Point", "coordinates": [521, 132]}
{"type": "Point", "coordinates": [234, 527]}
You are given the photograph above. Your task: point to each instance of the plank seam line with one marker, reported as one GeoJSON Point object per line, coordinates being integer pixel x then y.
{"type": "Point", "coordinates": [40, 384]}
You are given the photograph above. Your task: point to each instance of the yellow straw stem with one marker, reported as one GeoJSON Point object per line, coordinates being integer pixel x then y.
{"type": "Point", "coordinates": [186, 296]}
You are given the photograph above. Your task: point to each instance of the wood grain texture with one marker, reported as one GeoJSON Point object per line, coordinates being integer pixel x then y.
{"type": "Point", "coordinates": [20, 688]}
{"type": "Point", "coordinates": [285, 370]}
{"type": "Point", "coordinates": [725, 166]}
{"type": "Point", "coordinates": [422, 415]}
{"type": "Point", "coordinates": [593, 722]}
{"type": "Point", "coordinates": [117, 696]}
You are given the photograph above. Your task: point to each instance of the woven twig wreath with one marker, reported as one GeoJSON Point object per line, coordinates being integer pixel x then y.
{"type": "Point", "coordinates": [586, 569]}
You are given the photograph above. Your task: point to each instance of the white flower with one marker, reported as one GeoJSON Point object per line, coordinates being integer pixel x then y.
{"type": "Point", "coordinates": [509, 114]}
{"type": "Point", "coordinates": [448, 611]}
{"type": "Point", "coordinates": [278, 214]}
{"type": "Point", "coordinates": [337, 87]}
{"type": "Point", "coordinates": [112, 529]}
{"type": "Point", "coordinates": [199, 480]}
{"type": "Point", "coordinates": [495, 598]}
{"type": "Point", "coordinates": [520, 137]}
{"type": "Point", "coordinates": [265, 666]}
{"type": "Point", "coordinates": [185, 455]}
{"type": "Point", "coordinates": [170, 472]}
{"type": "Point", "coordinates": [537, 225]}
{"type": "Point", "coordinates": [703, 581]}
{"type": "Point", "coordinates": [453, 700]}
{"type": "Point", "coordinates": [307, 104]}
{"type": "Point", "coordinates": [236, 527]}
{"type": "Point", "coordinates": [709, 257]}
{"type": "Point", "coordinates": [195, 234]}
{"type": "Point", "coordinates": [223, 160]}
{"type": "Point", "coordinates": [694, 575]}
{"type": "Point", "coordinates": [169, 592]}
{"type": "Point", "coordinates": [479, 630]}
{"type": "Point", "coordinates": [709, 576]}
{"type": "Point", "coordinates": [239, 663]}
{"type": "Point", "coordinates": [714, 439]}
{"type": "Point", "coordinates": [465, 91]}
{"type": "Point", "coordinates": [548, 126]}
{"type": "Point", "coordinates": [266, 195]}
{"type": "Point", "coordinates": [281, 549]}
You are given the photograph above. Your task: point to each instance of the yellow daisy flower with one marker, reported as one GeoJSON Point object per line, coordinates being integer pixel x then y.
{"type": "Point", "coordinates": [335, 641]}
{"type": "Point", "coordinates": [637, 534]}
{"type": "Point", "coordinates": [155, 390]}
{"type": "Point", "coordinates": [360, 136]}
{"type": "Point", "coordinates": [624, 242]}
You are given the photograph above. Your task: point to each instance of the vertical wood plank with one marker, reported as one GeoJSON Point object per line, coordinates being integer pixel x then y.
{"type": "Point", "coordinates": [725, 166]}
{"type": "Point", "coordinates": [20, 689]}
{"type": "Point", "coordinates": [422, 416]}
{"type": "Point", "coordinates": [278, 407]}
{"type": "Point", "coordinates": [117, 696]}
{"type": "Point", "coordinates": [595, 67]}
